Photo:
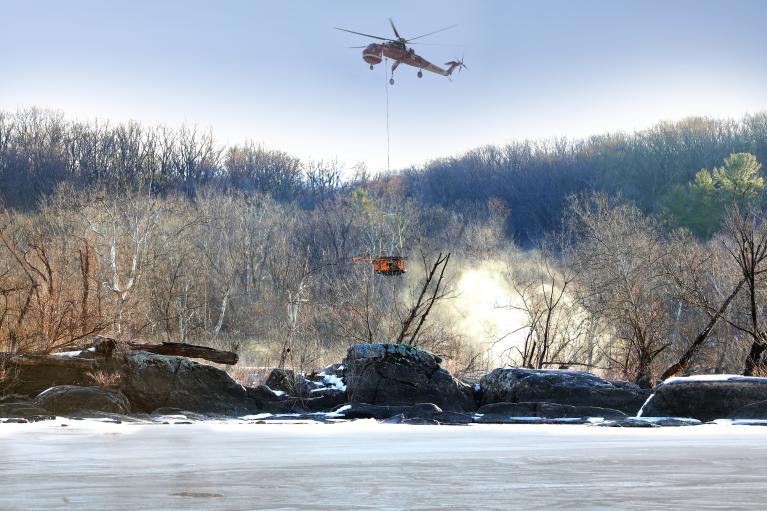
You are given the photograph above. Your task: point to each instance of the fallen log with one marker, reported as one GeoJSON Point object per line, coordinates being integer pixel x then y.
{"type": "Point", "coordinates": [47, 360]}
{"type": "Point", "coordinates": [187, 350]}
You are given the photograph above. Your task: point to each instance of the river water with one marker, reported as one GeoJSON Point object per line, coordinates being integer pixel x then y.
{"type": "Point", "coordinates": [366, 465]}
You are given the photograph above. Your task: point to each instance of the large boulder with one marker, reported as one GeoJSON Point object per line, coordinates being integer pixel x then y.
{"type": "Point", "coordinates": [707, 397]}
{"type": "Point", "coordinates": [71, 400]}
{"type": "Point", "coordinates": [397, 374]}
{"type": "Point", "coordinates": [156, 381]}
{"type": "Point", "coordinates": [575, 388]}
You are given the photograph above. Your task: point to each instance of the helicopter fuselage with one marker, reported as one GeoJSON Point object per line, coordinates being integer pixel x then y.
{"type": "Point", "coordinates": [374, 54]}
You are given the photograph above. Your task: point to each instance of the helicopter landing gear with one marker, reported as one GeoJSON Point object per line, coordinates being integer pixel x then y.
{"type": "Point", "coordinates": [420, 74]}
{"type": "Point", "coordinates": [391, 81]}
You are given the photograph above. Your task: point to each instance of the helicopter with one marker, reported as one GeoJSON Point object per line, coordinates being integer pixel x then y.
{"type": "Point", "coordinates": [397, 50]}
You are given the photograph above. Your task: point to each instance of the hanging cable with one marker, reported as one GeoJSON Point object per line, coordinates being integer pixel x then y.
{"type": "Point", "coordinates": [388, 146]}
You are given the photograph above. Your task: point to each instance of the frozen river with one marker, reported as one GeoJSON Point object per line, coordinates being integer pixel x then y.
{"type": "Point", "coordinates": [364, 465]}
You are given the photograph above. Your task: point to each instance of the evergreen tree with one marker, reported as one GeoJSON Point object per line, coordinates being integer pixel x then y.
{"type": "Point", "coordinates": [701, 205]}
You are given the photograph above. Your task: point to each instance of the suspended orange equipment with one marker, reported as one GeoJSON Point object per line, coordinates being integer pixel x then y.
{"type": "Point", "coordinates": [385, 265]}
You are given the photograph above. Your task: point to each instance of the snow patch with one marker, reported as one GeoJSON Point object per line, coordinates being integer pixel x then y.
{"type": "Point", "coordinates": [711, 377]}
{"type": "Point", "coordinates": [255, 417]}
{"type": "Point", "coordinates": [69, 353]}
{"type": "Point", "coordinates": [641, 410]}
{"type": "Point", "coordinates": [334, 381]}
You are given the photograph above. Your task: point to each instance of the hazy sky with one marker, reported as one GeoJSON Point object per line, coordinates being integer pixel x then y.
{"type": "Point", "coordinates": [277, 73]}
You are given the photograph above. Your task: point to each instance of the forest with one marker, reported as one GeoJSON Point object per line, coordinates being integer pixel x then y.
{"type": "Point", "coordinates": [638, 256]}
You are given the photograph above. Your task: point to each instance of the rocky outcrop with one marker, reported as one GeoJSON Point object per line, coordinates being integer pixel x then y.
{"type": "Point", "coordinates": [707, 398]}
{"type": "Point", "coordinates": [155, 381]}
{"type": "Point", "coordinates": [549, 410]}
{"type": "Point", "coordinates": [69, 400]}
{"type": "Point", "coordinates": [575, 388]}
{"type": "Point", "coordinates": [23, 411]}
{"type": "Point", "coordinates": [396, 374]}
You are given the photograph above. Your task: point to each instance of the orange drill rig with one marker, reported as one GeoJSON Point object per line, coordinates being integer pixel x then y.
{"type": "Point", "coordinates": [385, 265]}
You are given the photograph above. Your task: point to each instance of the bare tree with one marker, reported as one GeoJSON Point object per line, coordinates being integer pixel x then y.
{"type": "Point", "coordinates": [431, 293]}
{"type": "Point", "coordinates": [746, 242]}
{"type": "Point", "coordinates": [123, 229]}
{"type": "Point", "coordinates": [697, 284]}
{"type": "Point", "coordinates": [620, 256]}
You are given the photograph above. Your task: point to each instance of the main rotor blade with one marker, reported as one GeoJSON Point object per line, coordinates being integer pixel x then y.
{"type": "Point", "coordinates": [366, 35]}
{"type": "Point", "coordinates": [430, 33]}
{"type": "Point", "coordinates": [434, 44]}
{"type": "Point", "coordinates": [395, 29]}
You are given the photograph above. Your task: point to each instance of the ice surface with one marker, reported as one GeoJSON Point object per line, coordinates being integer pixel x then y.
{"type": "Point", "coordinates": [367, 465]}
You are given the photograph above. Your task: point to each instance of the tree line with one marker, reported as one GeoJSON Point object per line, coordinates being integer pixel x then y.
{"type": "Point", "coordinates": [639, 256]}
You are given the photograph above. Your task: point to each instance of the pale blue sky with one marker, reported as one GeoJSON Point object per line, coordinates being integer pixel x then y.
{"type": "Point", "coordinates": [277, 73]}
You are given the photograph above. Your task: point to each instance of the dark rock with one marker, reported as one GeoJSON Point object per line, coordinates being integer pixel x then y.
{"type": "Point", "coordinates": [575, 388]}
{"type": "Point", "coordinates": [635, 422]}
{"type": "Point", "coordinates": [168, 411]}
{"type": "Point", "coordinates": [414, 421]}
{"type": "Point", "coordinates": [285, 380]}
{"type": "Point", "coordinates": [705, 400]}
{"type": "Point", "coordinates": [451, 418]}
{"type": "Point", "coordinates": [296, 417]}
{"type": "Point", "coordinates": [72, 400]}
{"type": "Point", "coordinates": [13, 398]}
{"type": "Point", "coordinates": [623, 384]}
{"type": "Point", "coordinates": [155, 381]}
{"type": "Point", "coordinates": [396, 374]}
{"type": "Point", "coordinates": [381, 412]}
{"type": "Point", "coordinates": [25, 410]}
{"type": "Point", "coordinates": [756, 410]}
{"type": "Point", "coordinates": [116, 418]}
{"type": "Point", "coordinates": [548, 410]}
{"type": "Point", "coordinates": [30, 380]}
{"type": "Point", "coordinates": [492, 418]}
{"type": "Point", "coordinates": [325, 399]}
{"type": "Point", "coordinates": [264, 393]}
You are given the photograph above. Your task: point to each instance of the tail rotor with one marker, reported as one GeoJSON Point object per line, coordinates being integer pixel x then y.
{"type": "Point", "coordinates": [455, 64]}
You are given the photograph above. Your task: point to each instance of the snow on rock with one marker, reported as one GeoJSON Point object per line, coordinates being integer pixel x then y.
{"type": "Point", "coordinates": [333, 381]}
{"type": "Point", "coordinates": [75, 353]}
{"type": "Point", "coordinates": [69, 353]}
{"type": "Point", "coordinates": [712, 377]}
